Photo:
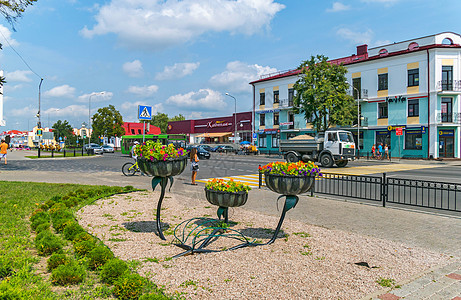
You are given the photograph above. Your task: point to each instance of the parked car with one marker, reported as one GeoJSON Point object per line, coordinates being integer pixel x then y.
{"type": "Point", "coordinates": [215, 148]}
{"type": "Point", "coordinates": [108, 148]}
{"type": "Point", "coordinates": [201, 153]}
{"type": "Point", "coordinates": [226, 149]}
{"type": "Point", "coordinates": [95, 148]}
{"type": "Point", "coordinates": [206, 147]}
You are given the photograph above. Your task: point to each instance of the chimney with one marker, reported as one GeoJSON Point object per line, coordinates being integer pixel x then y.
{"type": "Point", "coordinates": [362, 49]}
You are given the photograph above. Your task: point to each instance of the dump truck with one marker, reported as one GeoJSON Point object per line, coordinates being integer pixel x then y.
{"type": "Point", "coordinates": [327, 148]}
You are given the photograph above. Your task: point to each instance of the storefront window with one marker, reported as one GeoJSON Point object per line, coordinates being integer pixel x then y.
{"type": "Point", "coordinates": [262, 141]}
{"type": "Point", "coordinates": [275, 141]}
{"type": "Point", "coordinates": [413, 140]}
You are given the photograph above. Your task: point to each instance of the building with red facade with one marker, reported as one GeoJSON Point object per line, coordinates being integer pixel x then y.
{"type": "Point", "coordinates": [132, 128]}
{"type": "Point", "coordinates": [214, 130]}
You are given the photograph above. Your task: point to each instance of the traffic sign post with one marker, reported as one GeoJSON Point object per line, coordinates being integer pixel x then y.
{"type": "Point", "coordinates": [144, 113]}
{"type": "Point", "coordinates": [399, 133]}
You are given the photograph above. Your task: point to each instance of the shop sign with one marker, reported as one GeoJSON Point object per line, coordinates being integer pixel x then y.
{"type": "Point", "coordinates": [267, 111]}
{"type": "Point", "coordinates": [413, 132]}
{"type": "Point", "coordinates": [382, 132]}
{"type": "Point", "coordinates": [396, 99]}
{"type": "Point", "coordinates": [446, 133]}
{"type": "Point", "coordinates": [213, 124]}
{"type": "Point", "coordinates": [270, 131]}
{"type": "Point", "coordinates": [261, 132]}
{"type": "Point", "coordinates": [399, 131]}
{"type": "Point", "coordinates": [423, 129]}
{"type": "Point", "coordinates": [392, 128]}
{"type": "Point", "coordinates": [286, 123]}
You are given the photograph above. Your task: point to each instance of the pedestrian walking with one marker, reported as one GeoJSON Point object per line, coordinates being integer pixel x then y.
{"type": "Point", "coordinates": [194, 164]}
{"type": "Point", "coordinates": [373, 149]}
{"type": "Point", "coordinates": [3, 150]}
{"type": "Point", "coordinates": [380, 151]}
{"type": "Point", "coordinates": [386, 151]}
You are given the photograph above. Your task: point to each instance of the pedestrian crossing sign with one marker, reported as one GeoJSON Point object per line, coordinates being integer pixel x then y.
{"type": "Point", "coordinates": [144, 112]}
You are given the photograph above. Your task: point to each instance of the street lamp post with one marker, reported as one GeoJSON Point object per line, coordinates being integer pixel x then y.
{"type": "Point", "coordinates": [89, 113]}
{"type": "Point", "coordinates": [358, 119]}
{"type": "Point", "coordinates": [235, 118]}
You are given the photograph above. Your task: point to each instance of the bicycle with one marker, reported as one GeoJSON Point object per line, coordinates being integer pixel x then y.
{"type": "Point", "coordinates": [129, 168]}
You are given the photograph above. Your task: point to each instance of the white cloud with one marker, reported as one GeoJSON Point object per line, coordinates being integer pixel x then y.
{"type": "Point", "coordinates": [356, 37]}
{"type": "Point", "coordinates": [133, 69]}
{"type": "Point", "coordinates": [203, 100]}
{"type": "Point", "coordinates": [176, 71]}
{"type": "Point", "coordinates": [6, 33]}
{"type": "Point", "coordinates": [96, 97]}
{"type": "Point", "coordinates": [24, 111]}
{"type": "Point", "coordinates": [143, 91]}
{"type": "Point", "coordinates": [61, 91]}
{"type": "Point", "coordinates": [338, 6]}
{"type": "Point", "coordinates": [19, 75]}
{"type": "Point", "coordinates": [155, 25]}
{"type": "Point", "coordinates": [237, 76]}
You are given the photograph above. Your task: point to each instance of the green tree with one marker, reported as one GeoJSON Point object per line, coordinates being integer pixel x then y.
{"type": "Point", "coordinates": [160, 120]}
{"type": "Point", "coordinates": [321, 94]}
{"type": "Point", "coordinates": [179, 117]}
{"type": "Point", "coordinates": [62, 129]}
{"type": "Point", "coordinates": [13, 9]}
{"type": "Point", "coordinates": [107, 122]}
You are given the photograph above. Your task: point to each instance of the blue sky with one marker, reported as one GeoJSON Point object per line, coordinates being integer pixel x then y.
{"type": "Point", "coordinates": [181, 57]}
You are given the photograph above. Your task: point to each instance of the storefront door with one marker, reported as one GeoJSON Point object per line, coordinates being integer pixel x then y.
{"type": "Point", "coordinates": [446, 146]}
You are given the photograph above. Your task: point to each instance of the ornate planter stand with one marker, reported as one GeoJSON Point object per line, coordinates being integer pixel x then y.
{"type": "Point", "coordinates": [162, 172]}
{"type": "Point", "coordinates": [289, 187]}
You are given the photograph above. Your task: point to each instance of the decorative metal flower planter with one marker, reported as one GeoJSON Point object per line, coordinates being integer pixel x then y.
{"type": "Point", "coordinates": [225, 200]}
{"type": "Point", "coordinates": [288, 186]}
{"type": "Point", "coordinates": [162, 171]}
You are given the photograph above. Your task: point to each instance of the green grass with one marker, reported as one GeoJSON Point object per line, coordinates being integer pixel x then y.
{"type": "Point", "coordinates": [17, 252]}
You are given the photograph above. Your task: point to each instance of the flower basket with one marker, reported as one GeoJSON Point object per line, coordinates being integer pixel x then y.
{"type": "Point", "coordinates": [226, 199]}
{"type": "Point", "coordinates": [162, 168]}
{"type": "Point", "coordinates": [289, 184]}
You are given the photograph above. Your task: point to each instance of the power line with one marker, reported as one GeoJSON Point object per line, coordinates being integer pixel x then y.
{"type": "Point", "coordinates": [20, 56]}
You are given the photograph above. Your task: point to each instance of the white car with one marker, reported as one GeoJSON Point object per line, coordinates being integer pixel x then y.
{"type": "Point", "coordinates": [108, 148]}
{"type": "Point", "coordinates": [95, 148]}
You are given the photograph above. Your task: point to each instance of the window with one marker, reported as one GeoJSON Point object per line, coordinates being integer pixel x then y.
{"type": "Point", "coordinates": [276, 118]}
{"type": "Point", "coordinates": [413, 108]}
{"type": "Point", "coordinates": [413, 77]}
{"type": "Point", "coordinates": [382, 110]}
{"type": "Point", "coordinates": [447, 110]}
{"type": "Point", "coordinates": [447, 78]}
{"type": "Point", "coordinates": [262, 98]}
{"type": "Point", "coordinates": [357, 87]}
{"type": "Point", "coordinates": [332, 137]}
{"type": "Point", "coordinates": [382, 82]}
{"type": "Point", "coordinates": [262, 141]}
{"type": "Point", "coordinates": [275, 141]}
{"type": "Point", "coordinates": [262, 120]}
{"type": "Point", "coordinates": [291, 120]}
{"type": "Point", "coordinates": [276, 97]}
{"type": "Point", "coordinates": [132, 131]}
{"type": "Point", "coordinates": [291, 94]}
{"type": "Point", "coordinates": [413, 140]}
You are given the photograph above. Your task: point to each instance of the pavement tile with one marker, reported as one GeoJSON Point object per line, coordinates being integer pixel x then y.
{"type": "Point", "coordinates": [454, 276]}
{"type": "Point", "coordinates": [435, 287]}
{"type": "Point", "coordinates": [388, 296]}
{"type": "Point", "coordinates": [413, 286]}
{"type": "Point", "coordinates": [456, 298]}
{"type": "Point", "coordinates": [453, 290]}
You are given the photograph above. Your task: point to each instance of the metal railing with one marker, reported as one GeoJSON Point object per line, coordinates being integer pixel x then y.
{"type": "Point", "coordinates": [383, 189]}
{"type": "Point", "coordinates": [449, 85]}
{"type": "Point", "coordinates": [448, 118]}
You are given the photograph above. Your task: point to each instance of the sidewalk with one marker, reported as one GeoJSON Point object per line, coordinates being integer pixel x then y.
{"type": "Point", "coordinates": [414, 229]}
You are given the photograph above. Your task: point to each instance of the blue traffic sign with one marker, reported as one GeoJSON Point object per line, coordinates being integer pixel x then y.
{"type": "Point", "coordinates": [144, 112]}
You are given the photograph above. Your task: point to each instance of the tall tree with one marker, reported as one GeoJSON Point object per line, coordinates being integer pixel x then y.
{"type": "Point", "coordinates": [179, 117]}
{"type": "Point", "coordinates": [13, 9]}
{"type": "Point", "coordinates": [321, 94]}
{"type": "Point", "coordinates": [107, 122]}
{"type": "Point", "coordinates": [160, 120]}
{"type": "Point", "coordinates": [62, 129]}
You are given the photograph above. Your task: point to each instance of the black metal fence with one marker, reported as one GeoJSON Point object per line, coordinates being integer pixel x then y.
{"type": "Point", "coordinates": [428, 194]}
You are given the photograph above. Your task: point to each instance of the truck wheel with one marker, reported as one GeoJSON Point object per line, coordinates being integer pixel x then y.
{"type": "Point", "coordinates": [326, 161]}
{"type": "Point", "coordinates": [342, 163]}
{"type": "Point", "coordinates": [292, 158]}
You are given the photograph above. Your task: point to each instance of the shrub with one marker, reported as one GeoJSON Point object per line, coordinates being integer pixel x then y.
{"type": "Point", "coordinates": [68, 274]}
{"type": "Point", "coordinates": [71, 230]}
{"type": "Point", "coordinates": [57, 259]}
{"type": "Point", "coordinates": [42, 227]}
{"type": "Point", "coordinates": [98, 256]}
{"type": "Point", "coordinates": [5, 269]}
{"type": "Point", "coordinates": [112, 270]}
{"type": "Point", "coordinates": [55, 198]}
{"type": "Point", "coordinates": [72, 201]}
{"type": "Point", "coordinates": [84, 247]}
{"type": "Point", "coordinates": [61, 214]}
{"type": "Point", "coordinates": [56, 208]}
{"type": "Point", "coordinates": [46, 243]}
{"type": "Point", "coordinates": [82, 236]}
{"type": "Point", "coordinates": [129, 286]}
{"type": "Point", "coordinates": [128, 188]}
{"type": "Point", "coordinates": [38, 214]}
{"type": "Point", "coordinates": [42, 219]}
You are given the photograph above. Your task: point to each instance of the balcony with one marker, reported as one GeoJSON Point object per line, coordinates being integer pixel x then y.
{"type": "Point", "coordinates": [448, 118]}
{"type": "Point", "coordinates": [363, 93]}
{"type": "Point", "coordinates": [285, 103]}
{"type": "Point", "coordinates": [446, 85]}
{"type": "Point", "coordinates": [289, 125]}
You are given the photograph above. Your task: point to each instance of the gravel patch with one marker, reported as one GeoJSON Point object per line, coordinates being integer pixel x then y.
{"type": "Point", "coordinates": [305, 262]}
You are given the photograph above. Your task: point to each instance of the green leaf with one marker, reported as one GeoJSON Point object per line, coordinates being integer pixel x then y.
{"type": "Point", "coordinates": [155, 181]}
